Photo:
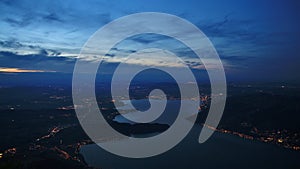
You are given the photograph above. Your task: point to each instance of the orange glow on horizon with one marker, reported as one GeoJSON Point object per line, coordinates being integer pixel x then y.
{"type": "Point", "coordinates": [17, 70]}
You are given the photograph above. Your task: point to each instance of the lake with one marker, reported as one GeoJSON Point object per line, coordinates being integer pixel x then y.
{"type": "Point", "coordinates": [168, 116]}
{"type": "Point", "coordinates": [220, 151]}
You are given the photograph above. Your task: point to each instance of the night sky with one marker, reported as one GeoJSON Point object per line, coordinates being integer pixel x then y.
{"type": "Point", "coordinates": [256, 40]}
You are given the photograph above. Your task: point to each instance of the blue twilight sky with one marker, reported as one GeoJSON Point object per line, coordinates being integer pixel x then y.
{"type": "Point", "coordinates": [256, 40]}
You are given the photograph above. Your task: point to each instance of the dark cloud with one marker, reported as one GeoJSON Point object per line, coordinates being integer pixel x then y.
{"type": "Point", "coordinates": [49, 52]}
{"type": "Point", "coordinates": [11, 44]}
{"type": "Point", "coordinates": [115, 49]}
{"type": "Point", "coordinates": [52, 52]}
{"type": "Point", "coordinates": [193, 63]}
{"type": "Point", "coordinates": [17, 23]}
{"type": "Point", "coordinates": [148, 38]}
{"type": "Point", "coordinates": [110, 55]}
{"type": "Point", "coordinates": [239, 32]}
{"type": "Point", "coordinates": [230, 28]}
{"type": "Point", "coordinates": [20, 19]}
{"type": "Point", "coordinates": [105, 18]}
{"type": "Point", "coordinates": [43, 52]}
{"type": "Point", "coordinates": [52, 17]}
{"type": "Point", "coordinates": [40, 61]}
{"type": "Point", "coordinates": [7, 2]}
{"type": "Point", "coordinates": [236, 58]}
{"type": "Point", "coordinates": [119, 51]}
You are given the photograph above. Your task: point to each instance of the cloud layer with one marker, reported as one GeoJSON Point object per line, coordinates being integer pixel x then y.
{"type": "Point", "coordinates": [48, 35]}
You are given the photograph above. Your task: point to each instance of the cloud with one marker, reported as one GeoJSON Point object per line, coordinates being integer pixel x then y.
{"type": "Point", "coordinates": [11, 44]}
{"type": "Point", "coordinates": [42, 61]}
{"type": "Point", "coordinates": [21, 21]}
{"type": "Point", "coordinates": [52, 17]}
{"type": "Point", "coordinates": [148, 38]}
{"type": "Point", "coordinates": [51, 25]}
{"type": "Point", "coordinates": [20, 48]}
{"type": "Point", "coordinates": [40, 35]}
